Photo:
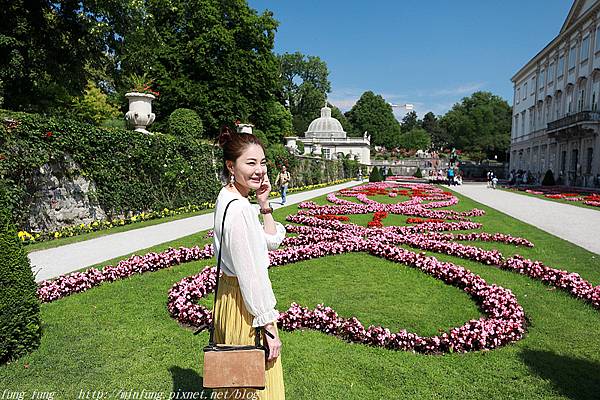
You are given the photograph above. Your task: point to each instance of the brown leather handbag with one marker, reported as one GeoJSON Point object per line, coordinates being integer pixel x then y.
{"type": "Point", "coordinates": [232, 366]}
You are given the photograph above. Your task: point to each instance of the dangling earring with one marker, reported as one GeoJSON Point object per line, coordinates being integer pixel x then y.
{"type": "Point", "coordinates": [231, 180]}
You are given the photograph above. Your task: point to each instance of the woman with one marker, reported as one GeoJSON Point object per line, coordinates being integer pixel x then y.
{"type": "Point", "coordinates": [245, 299]}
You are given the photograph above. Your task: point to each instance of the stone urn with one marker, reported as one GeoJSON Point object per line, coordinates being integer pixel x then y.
{"type": "Point", "coordinates": [140, 111]}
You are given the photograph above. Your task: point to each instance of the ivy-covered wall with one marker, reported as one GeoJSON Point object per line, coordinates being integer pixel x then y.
{"type": "Point", "coordinates": [131, 171]}
{"type": "Point", "coordinates": [310, 171]}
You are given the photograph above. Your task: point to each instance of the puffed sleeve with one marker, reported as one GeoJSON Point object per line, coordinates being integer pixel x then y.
{"type": "Point", "coordinates": [273, 241]}
{"type": "Point", "coordinates": [250, 261]}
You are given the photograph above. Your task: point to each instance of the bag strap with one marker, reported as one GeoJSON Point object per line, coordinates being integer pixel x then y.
{"type": "Point", "coordinates": [211, 340]}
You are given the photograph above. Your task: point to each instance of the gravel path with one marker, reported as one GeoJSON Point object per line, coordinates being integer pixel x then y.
{"type": "Point", "coordinates": [578, 225]}
{"type": "Point", "coordinates": [53, 262]}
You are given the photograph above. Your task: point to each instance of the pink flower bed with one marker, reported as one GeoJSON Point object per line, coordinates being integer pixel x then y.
{"type": "Point", "coordinates": [322, 231]}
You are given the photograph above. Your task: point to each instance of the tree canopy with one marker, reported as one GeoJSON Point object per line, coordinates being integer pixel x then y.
{"type": "Point", "coordinates": [416, 139]}
{"type": "Point", "coordinates": [305, 84]}
{"type": "Point", "coordinates": [479, 123]}
{"type": "Point", "coordinates": [373, 114]}
{"type": "Point", "coordinates": [410, 121]}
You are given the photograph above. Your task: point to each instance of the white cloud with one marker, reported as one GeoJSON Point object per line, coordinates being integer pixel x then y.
{"type": "Point", "coordinates": [467, 88]}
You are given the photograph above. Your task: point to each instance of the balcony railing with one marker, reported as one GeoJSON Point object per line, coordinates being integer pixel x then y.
{"type": "Point", "coordinates": [573, 119]}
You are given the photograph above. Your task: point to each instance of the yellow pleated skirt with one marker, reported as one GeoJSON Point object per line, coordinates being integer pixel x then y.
{"type": "Point", "coordinates": [234, 326]}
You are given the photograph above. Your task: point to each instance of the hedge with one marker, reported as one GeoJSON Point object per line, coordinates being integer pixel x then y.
{"type": "Point", "coordinates": [132, 171]}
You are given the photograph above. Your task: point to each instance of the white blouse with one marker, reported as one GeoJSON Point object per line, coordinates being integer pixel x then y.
{"type": "Point", "coordinates": [245, 253]}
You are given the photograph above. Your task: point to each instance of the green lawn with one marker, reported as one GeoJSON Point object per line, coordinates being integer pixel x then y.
{"type": "Point", "coordinates": [119, 336]}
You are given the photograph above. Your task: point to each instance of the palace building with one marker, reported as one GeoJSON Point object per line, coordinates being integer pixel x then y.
{"type": "Point", "coordinates": [325, 136]}
{"type": "Point", "coordinates": [556, 118]}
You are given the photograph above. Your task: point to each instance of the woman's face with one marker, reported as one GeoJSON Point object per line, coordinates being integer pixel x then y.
{"type": "Point", "coordinates": [250, 167]}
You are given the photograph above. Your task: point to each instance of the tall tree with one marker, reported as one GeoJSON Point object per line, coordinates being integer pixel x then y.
{"type": "Point", "coordinates": [46, 50]}
{"type": "Point", "coordinates": [305, 83]}
{"type": "Point", "coordinates": [373, 114]}
{"type": "Point", "coordinates": [337, 114]}
{"type": "Point", "coordinates": [410, 121]}
{"type": "Point", "coordinates": [416, 139]}
{"type": "Point", "coordinates": [479, 123]}
{"type": "Point", "coordinates": [214, 57]}
{"type": "Point", "coordinates": [436, 130]}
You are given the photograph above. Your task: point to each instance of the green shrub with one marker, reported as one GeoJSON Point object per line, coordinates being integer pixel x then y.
{"type": "Point", "coordinates": [418, 173]}
{"type": "Point", "coordinates": [300, 147]}
{"type": "Point", "coordinates": [185, 123]}
{"type": "Point", "coordinates": [375, 175]}
{"type": "Point", "coordinates": [548, 179]}
{"type": "Point", "coordinates": [93, 107]}
{"type": "Point", "coordinates": [20, 329]}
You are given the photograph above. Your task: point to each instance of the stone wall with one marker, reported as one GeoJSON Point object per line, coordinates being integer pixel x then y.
{"type": "Point", "coordinates": [61, 196]}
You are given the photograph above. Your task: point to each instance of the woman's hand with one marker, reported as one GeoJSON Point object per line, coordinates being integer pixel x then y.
{"type": "Point", "coordinates": [262, 194]}
{"type": "Point", "coordinates": [274, 344]}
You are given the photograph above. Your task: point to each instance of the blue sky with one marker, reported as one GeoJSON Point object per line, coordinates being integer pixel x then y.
{"type": "Point", "coordinates": [427, 53]}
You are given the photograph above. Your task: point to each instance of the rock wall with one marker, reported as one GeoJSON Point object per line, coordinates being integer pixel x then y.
{"type": "Point", "coordinates": [61, 196]}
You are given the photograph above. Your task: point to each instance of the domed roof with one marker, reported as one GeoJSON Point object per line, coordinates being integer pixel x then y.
{"type": "Point", "coordinates": [325, 127]}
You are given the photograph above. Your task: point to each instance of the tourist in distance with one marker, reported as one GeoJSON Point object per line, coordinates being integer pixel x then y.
{"type": "Point", "coordinates": [282, 181]}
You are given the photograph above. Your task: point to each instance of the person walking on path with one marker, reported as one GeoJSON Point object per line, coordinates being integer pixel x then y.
{"type": "Point", "coordinates": [282, 181]}
{"type": "Point", "coordinates": [245, 298]}
{"type": "Point", "coordinates": [494, 181]}
{"type": "Point", "coordinates": [450, 176]}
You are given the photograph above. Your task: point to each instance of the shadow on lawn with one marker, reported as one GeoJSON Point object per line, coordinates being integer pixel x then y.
{"type": "Point", "coordinates": [186, 382]}
{"type": "Point", "coordinates": [572, 377]}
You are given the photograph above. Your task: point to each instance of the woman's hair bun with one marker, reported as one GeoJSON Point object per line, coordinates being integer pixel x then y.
{"type": "Point", "coordinates": [225, 136]}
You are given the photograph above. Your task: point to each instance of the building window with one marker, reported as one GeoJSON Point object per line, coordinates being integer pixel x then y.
{"type": "Point", "coordinates": [561, 67]}
{"type": "Point", "coordinates": [557, 104]}
{"type": "Point", "coordinates": [598, 39]}
{"type": "Point", "coordinates": [563, 161]}
{"type": "Point", "coordinates": [569, 103]}
{"type": "Point", "coordinates": [595, 93]}
{"type": "Point", "coordinates": [523, 123]}
{"type": "Point", "coordinates": [572, 57]}
{"type": "Point", "coordinates": [518, 95]}
{"type": "Point", "coordinates": [585, 49]}
{"type": "Point", "coordinates": [516, 126]}
{"type": "Point", "coordinates": [589, 158]}
{"type": "Point", "coordinates": [581, 100]}
{"type": "Point", "coordinates": [548, 110]}
{"type": "Point", "coordinates": [525, 91]}
{"type": "Point", "coordinates": [550, 73]}
{"type": "Point", "coordinates": [533, 86]}
{"type": "Point", "coordinates": [541, 80]}
{"type": "Point", "coordinates": [531, 120]}
{"type": "Point", "coordinates": [574, 159]}
{"type": "Point", "coordinates": [327, 154]}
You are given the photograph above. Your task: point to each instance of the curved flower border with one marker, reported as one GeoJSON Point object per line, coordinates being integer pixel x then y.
{"type": "Point", "coordinates": [321, 236]}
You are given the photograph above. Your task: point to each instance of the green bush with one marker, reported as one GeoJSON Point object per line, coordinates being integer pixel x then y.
{"type": "Point", "coordinates": [131, 171]}
{"type": "Point", "coordinates": [375, 175]}
{"type": "Point", "coordinates": [20, 329]}
{"type": "Point", "coordinates": [418, 173]}
{"type": "Point", "coordinates": [548, 179]}
{"type": "Point", "coordinates": [185, 123]}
